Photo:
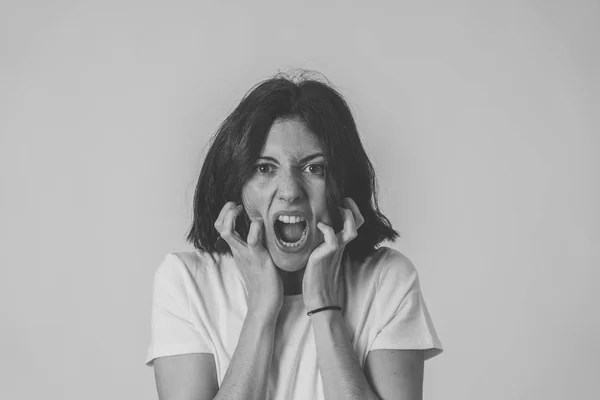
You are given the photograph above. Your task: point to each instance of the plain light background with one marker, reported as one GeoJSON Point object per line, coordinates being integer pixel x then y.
{"type": "Point", "coordinates": [481, 118]}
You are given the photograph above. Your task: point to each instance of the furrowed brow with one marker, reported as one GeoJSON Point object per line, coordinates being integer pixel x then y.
{"type": "Point", "coordinates": [310, 157]}
{"type": "Point", "coordinates": [267, 158]}
{"type": "Point", "coordinates": [302, 161]}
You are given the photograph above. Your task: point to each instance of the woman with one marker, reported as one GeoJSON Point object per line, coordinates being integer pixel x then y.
{"type": "Point", "coordinates": [287, 295]}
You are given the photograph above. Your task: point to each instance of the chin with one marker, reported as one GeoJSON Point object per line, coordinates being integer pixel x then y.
{"type": "Point", "coordinates": [289, 262]}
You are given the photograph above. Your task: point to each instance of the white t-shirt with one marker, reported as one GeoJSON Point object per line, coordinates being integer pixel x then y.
{"type": "Point", "coordinates": [200, 303]}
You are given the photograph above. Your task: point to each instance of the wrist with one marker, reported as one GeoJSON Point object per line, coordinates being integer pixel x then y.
{"type": "Point", "coordinates": [319, 302]}
{"type": "Point", "coordinates": [325, 322]}
{"type": "Point", "coordinates": [323, 309]}
{"type": "Point", "coordinates": [325, 314]}
{"type": "Point", "coordinates": [263, 312]}
{"type": "Point", "coordinates": [260, 319]}
{"type": "Point", "coordinates": [263, 309]}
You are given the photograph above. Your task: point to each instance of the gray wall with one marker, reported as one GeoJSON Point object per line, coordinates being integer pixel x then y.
{"type": "Point", "coordinates": [481, 118]}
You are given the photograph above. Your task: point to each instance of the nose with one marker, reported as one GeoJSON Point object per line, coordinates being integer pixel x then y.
{"type": "Point", "coordinates": [289, 187]}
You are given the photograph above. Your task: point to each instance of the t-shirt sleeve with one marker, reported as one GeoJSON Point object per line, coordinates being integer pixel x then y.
{"type": "Point", "coordinates": [403, 321]}
{"type": "Point", "coordinates": [173, 330]}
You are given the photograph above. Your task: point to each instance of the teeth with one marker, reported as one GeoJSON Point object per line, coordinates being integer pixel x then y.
{"type": "Point", "coordinates": [293, 219]}
{"type": "Point", "coordinates": [298, 243]}
{"type": "Point", "coordinates": [290, 219]}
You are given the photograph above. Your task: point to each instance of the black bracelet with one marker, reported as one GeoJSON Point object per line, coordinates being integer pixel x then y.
{"type": "Point", "coordinates": [323, 309]}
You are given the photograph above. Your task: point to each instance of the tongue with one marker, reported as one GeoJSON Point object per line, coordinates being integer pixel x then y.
{"type": "Point", "coordinates": [291, 232]}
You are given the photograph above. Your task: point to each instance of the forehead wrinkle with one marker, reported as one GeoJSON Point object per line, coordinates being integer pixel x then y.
{"type": "Point", "coordinates": [290, 140]}
{"type": "Point", "coordinates": [294, 157]}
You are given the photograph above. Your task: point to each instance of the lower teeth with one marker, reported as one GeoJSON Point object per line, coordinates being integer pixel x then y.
{"type": "Point", "coordinates": [297, 243]}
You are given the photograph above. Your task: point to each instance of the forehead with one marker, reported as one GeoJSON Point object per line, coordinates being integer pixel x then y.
{"type": "Point", "coordinates": [290, 138]}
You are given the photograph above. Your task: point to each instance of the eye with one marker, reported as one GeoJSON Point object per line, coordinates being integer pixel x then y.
{"type": "Point", "coordinates": [318, 169]}
{"type": "Point", "coordinates": [263, 168]}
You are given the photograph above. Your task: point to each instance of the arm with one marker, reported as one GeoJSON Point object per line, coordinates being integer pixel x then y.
{"type": "Point", "coordinates": [389, 374]}
{"type": "Point", "coordinates": [340, 369]}
{"type": "Point", "coordinates": [343, 377]}
{"type": "Point", "coordinates": [248, 373]}
{"type": "Point", "coordinates": [396, 374]}
{"type": "Point", "coordinates": [186, 376]}
{"type": "Point", "coordinates": [193, 376]}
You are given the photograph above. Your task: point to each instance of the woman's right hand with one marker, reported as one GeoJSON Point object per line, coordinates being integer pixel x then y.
{"type": "Point", "coordinates": [263, 284]}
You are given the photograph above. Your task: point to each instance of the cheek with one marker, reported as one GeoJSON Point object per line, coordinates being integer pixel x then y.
{"type": "Point", "coordinates": [320, 207]}
{"type": "Point", "coordinates": [328, 215]}
{"type": "Point", "coordinates": [327, 218]}
{"type": "Point", "coordinates": [252, 203]}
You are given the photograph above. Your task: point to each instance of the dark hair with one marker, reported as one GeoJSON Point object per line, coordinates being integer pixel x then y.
{"type": "Point", "coordinates": [238, 142]}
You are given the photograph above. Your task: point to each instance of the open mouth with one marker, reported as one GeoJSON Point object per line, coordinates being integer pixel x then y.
{"type": "Point", "coordinates": [291, 231]}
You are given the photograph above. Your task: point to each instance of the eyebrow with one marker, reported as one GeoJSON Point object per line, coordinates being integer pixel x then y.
{"type": "Point", "coordinates": [302, 161]}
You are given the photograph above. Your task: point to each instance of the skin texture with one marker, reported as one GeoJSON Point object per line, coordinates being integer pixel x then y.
{"type": "Point", "coordinates": [283, 182]}
{"type": "Point", "coordinates": [392, 373]}
{"type": "Point", "coordinates": [320, 286]}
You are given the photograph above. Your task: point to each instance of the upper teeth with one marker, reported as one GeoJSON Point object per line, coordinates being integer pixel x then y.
{"type": "Point", "coordinates": [290, 219]}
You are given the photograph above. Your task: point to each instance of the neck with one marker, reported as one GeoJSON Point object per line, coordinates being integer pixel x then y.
{"type": "Point", "coordinates": [292, 281]}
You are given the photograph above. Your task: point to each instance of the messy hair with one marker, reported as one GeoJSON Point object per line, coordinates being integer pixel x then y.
{"type": "Point", "coordinates": [238, 143]}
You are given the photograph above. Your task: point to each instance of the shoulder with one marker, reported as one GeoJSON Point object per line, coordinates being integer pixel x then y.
{"type": "Point", "coordinates": [384, 272]}
{"type": "Point", "coordinates": [395, 272]}
{"type": "Point", "coordinates": [179, 262]}
{"type": "Point", "coordinates": [180, 266]}
{"type": "Point", "coordinates": [398, 265]}
{"type": "Point", "coordinates": [386, 262]}
{"type": "Point", "coordinates": [194, 275]}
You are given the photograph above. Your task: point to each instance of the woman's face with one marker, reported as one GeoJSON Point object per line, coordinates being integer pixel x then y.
{"type": "Point", "coordinates": [287, 190]}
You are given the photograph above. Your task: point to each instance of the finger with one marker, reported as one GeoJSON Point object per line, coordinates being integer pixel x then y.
{"type": "Point", "coordinates": [219, 222]}
{"type": "Point", "coordinates": [230, 217]}
{"type": "Point", "coordinates": [228, 232]}
{"type": "Point", "coordinates": [255, 233]}
{"type": "Point", "coordinates": [331, 240]}
{"type": "Point", "coordinates": [358, 218]}
{"type": "Point", "coordinates": [349, 231]}
{"type": "Point", "coordinates": [338, 271]}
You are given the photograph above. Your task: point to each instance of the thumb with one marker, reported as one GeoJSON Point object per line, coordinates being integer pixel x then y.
{"type": "Point", "coordinates": [255, 233]}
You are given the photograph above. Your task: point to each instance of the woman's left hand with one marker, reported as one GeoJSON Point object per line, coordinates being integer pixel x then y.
{"type": "Point", "coordinates": [321, 282]}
